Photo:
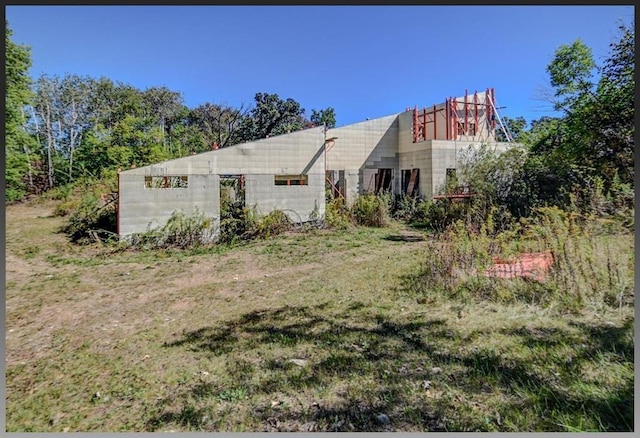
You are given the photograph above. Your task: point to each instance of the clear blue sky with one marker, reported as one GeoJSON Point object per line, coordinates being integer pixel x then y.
{"type": "Point", "coordinates": [364, 61]}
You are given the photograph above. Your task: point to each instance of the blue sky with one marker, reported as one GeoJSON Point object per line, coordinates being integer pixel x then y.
{"type": "Point", "coordinates": [364, 61]}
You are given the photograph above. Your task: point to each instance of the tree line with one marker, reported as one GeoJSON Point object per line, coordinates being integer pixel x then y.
{"type": "Point", "coordinates": [584, 157]}
{"type": "Point", "coordinates": [62, 128]}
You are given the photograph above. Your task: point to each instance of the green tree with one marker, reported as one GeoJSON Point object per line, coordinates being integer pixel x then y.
{"type": "Point", "coordinates": [163, 106]}
{"type": "Point", "coordinates": [325, 116]}
{"type": "Point", "coordinates": [594, 139]}
{"type": "Point", "coordinates": [270, 116]}
{"type": "Point", "coordinates": [570, 74]}
{"type": "Point", "coordinates": [217, 123]}
{"type": "Point", "coordinates": [20, 147]}
{"type": "Point", "coordinates": [516, 128]}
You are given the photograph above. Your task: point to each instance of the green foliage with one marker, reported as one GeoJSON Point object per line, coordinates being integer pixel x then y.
{"type": "Point", "coordinates": [91, 221]}
{"type": "Point", "coordinates": [240, 223]}
{"type": "Point", "coordinates": [216, 124]}
{"type": "Point", "coordinates": [20, 147]}
{"type": "Point", "coordinates": [570, 72]}
{"type": "Point", "coordinates": [591, 270]}
{"type": "Point", "coordinates": [516, 128]}
{"type": "Point", "coordinates": [595, 137]}
{"type": "Point", "coordinates": [181, 231]}
{"type": "Point", "coordinates": [270, 116]}
{"type": "Point", "coordinates": [405, 207]}
{"type": "Point", "coordinates": [90, 207]}
{"type": "Point", "coordinates": [337, 215]}
{"type": "Point", "coordinates": [274, 223]}
{"type": "Point", "coordinates": [325, 116]}
{"type": "Point", "coordinates": [371, 210]}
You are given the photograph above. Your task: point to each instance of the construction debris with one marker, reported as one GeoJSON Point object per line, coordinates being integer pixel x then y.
{"type": "Point", "coordinates": [532, 265]}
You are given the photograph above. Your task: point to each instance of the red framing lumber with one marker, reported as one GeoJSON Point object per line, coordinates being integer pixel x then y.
{"type": "Point", "coordinates": [424, 123]}
{"type": "Point", "coordinates": [446, 117]}
{"type": "Point", "coordinates": [415, 124]}
{"type": "Point", "coordinates": [475, 110]}
{"type": "Point", "coordinates": [493, 102]}
{"type": "Point", "coordinates": [466, 113]}
{"type": "Point", "coordinates": [435, 125]}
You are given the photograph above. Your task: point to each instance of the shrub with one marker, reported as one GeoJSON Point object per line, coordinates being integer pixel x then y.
{"type": "Point", "coordinates": [371, 210]}
{"type": "Point", "coordinates": [590, 271]}
{"type": "Point", "coordinates": [91, 221]}
{"type": "Point", "coordinates": [337, 215]}
{"type": "Point", "coordinates": [181, 231]}
{"type": "Point", "coordinates": [272, 224]}
{"type": "Point", "coordinates": [405, 207]}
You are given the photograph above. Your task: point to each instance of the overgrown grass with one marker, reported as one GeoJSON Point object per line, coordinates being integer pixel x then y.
{"type": "Point", "coordinates": [371, 210]}
{"type": "Point", "coordinates": [321, 331]}
{"type": "Point", "coordinates": [590, 270]}
{"type": "Point", "coordinates": [181, 231]}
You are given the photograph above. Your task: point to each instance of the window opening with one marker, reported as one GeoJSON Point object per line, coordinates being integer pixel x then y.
{"type": "Point", "coordinates": [291, 180]}
{"type": "Point", "coordinates": [166, 182]}
{"type": "Point", "coordinates": [384, 178]}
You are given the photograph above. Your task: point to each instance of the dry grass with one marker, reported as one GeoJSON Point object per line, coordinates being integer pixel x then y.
{"type": "Point", "coordinates": [303, 332]}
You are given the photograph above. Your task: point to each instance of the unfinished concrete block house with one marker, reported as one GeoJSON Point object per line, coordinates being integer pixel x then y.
{"type": "Point", "coordinates": [409, 152]}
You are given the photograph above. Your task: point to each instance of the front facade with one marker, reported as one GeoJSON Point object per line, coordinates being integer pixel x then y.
{"type": "Point", "coordinates": [410, 152]}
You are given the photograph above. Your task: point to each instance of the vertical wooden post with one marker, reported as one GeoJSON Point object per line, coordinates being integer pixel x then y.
{"type": "Point", "coordinates": [466, 113]}
{"type": "Point", "coordinates": [455, 118]}
{"type": "Point", "coordinates": [424, 123]}
{"type": "Point", "coordinates": [475, 111]}
{"type": "Point", "coordinates": [415, 124]}
{"type": "Point", "coordinates": [435, 125]}
{"type": "Point", "coordinates": [446, 118]}
{"type": "Point", "coordinates": [487, 116]}
{"type": "Point", "coordinates": [493, 102]}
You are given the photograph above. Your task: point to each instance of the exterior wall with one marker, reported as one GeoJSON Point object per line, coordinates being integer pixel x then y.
{"type": "Point", "coordinates": [358, 151]}
{"type": "Point", "coordinates": [446, 155]}
{"type": "Point", "coordinates": [420, 159]}
{"type": "Point", "coordinates": [372, 144]}
{"type": "Point", "coordinates": [142, 208]}
{"type": "Point", "coordinates": [299, 203]}
{"type": "Point", "coordinates": [301, 152]}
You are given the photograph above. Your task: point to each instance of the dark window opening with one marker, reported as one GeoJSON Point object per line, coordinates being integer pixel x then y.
{"type": "Point", "coordinates": [166, 182]}
{"type": "Point", "coordinates": [384, 178]}
{"type": "Point", "coordinates": [232, 189]}
{"type": "Point", "coordinates": [472, 129]}
{"type": "Point", "coordinates": [410, 181]}
{"type": "Point", "coordinates": [291, 180]}
{"type": "Point", "coordinates": [335, 184]}
{"type": "Point", "coordinates": [461, 128]}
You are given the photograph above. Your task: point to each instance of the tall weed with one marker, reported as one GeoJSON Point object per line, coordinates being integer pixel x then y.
{"type": "Point", "coordinates": [371, 210]}
{"type": "Point", "coordinates": [589, 271]}
{"type": "Point", "coordinates": [181, 231]}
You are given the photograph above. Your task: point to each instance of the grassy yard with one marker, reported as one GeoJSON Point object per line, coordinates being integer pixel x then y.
{"type": "Point", "coordinates": [322, 331]}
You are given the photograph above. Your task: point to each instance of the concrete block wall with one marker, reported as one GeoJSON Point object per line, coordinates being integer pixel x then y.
{"type": "Point", "coordinates": [447, 155]}
{"type": "Point", "coordinates": [371, 144]}
{"type": "Point", "coordinates": [295, 153]}
{"type": "Point", "coordinates": [362, 144]}
{"type": "Point", "coordinates": [299, 203]}
{"type": "Point", "coordinates": [142, 208]}
{"type": "Point", "coordinates": [420, 159]}
{"type": "Point", "coordinates": [301, 152]}
{"type": "Point", "coordinates": [352, 177]}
